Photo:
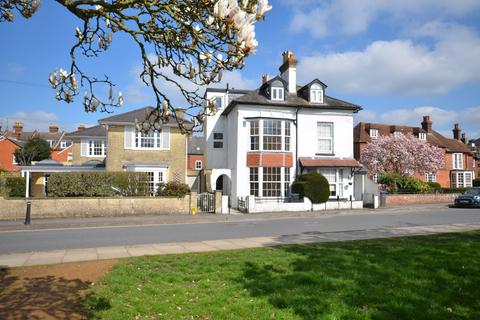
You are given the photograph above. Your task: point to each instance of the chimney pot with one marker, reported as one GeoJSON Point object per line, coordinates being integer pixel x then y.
{"type": "Point", "coordinates": [456, 131]}
{"type": "Point", "coordinates": [17, 128]}
{"type": "Point", "coordinates": [53, 128]}
{"type": "Point", "coordinates": [81, 127]}
{"type": "Point", "coordinates": [464, 138]}
{"type": "Point", "coordinates": [427, 124]}
{"type": "Point", "coordinates": [265, 78]}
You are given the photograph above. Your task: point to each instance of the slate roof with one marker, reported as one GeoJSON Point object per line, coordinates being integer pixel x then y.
{"type": "Point", "coordinates": [24, 136]}
{"type": "Point", "coordinates": [362, 135]}
{"type": "Point", "coordinates": [196, 145]}
{"type": "Point", "coordinates": [138, 115]}
{"type": "Point", "coordinates": [93, 132]}
{"type": "Point", "coordinates": [291, 100]}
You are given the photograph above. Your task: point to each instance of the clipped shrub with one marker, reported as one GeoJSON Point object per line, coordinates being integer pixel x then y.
{"type": "Point", "coordinates": [476, 182]}
{"type": "Point", "coordinates": [173, 189]}
{"type": "Point", "coordinates": [15, 186]}
{"type": "Point", "coordinates": [312, 185]}
{"type": "Point", "coordinates": [98, 184]}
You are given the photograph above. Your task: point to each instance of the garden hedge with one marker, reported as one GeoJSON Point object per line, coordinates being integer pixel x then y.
{"type": "Point", "coordinates": [173, 189]}
{"type": "Point", "coordinates": [312, 185]}
{"type": "Point", "coordinates": [15, 186]}
{"type": "Point", "coordinates": [98, 184]}
{"type": "Point", "coordinates": [476, 182]}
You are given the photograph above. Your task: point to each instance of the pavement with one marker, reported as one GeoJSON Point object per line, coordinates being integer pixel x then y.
{"type": "Point", "coordinates": [70, 240]}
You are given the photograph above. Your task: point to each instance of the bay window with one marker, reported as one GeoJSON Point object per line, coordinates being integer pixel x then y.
{"type": "Point", "coordinates": [268, 182]}
{"type": "Point", "coordinates": [254, 135]}
{"type": "Point", "coordinates": [270, 135]}
{"type": "Point", "coordinates": [335, 178]}
{"type": "Point", "coordinates": [325, 137]}
{"type": "Point", "coordinates": [461, 179]}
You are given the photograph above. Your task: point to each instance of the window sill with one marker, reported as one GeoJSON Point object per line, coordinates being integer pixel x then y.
{"type": "Point", "coordinates": [325, 154]}
{"type": "Point", "coordinates": [270, 151]}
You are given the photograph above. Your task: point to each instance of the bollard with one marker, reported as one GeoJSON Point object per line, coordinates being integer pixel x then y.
{"type": "Point", "coordinates": [351, 202]}
{"type": "Point", "coordinates": [27, 213]}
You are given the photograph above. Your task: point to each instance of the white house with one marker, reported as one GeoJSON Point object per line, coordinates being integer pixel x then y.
{"type": "Point", "coordinates": [260, 140]}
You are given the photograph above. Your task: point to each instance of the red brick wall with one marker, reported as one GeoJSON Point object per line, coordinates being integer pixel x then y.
{"type": "Point", "coordinates": [7, 148]}
{"type": "Point", "coordinates": [194, 157]}
{"type": "Point", "coordinates": [402, 199]}
{"type": "Point", "coordinates": [61, 155]}
{"type": "Point", "coordinates": [265, 159]}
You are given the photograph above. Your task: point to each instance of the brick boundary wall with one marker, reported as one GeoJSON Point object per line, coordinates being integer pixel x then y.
{"type": "Point", "coordinates": [402, 199]}
{"type": "Point", "coordinates": [11, 209]}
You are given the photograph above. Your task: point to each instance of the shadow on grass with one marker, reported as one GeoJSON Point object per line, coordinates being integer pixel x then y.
{"type": "Point", "coordinates": [435, 277]}
{"type": "Point", "coordinates": [46, 297]}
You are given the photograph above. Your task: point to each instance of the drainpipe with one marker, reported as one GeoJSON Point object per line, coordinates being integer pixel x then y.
{"type": "Point", "coordinates": [296, 143]}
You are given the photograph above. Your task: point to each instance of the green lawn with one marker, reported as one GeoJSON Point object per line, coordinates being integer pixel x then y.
{"type": "Point", "coordinates": [426, 277]}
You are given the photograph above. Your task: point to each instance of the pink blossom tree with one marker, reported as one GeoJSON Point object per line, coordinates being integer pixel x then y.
{"type": "Point", "coordinates": [401, 154]}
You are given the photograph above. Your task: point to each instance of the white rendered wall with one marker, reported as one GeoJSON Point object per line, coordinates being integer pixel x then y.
{"type": "Point", "coordinates": [215, 158]}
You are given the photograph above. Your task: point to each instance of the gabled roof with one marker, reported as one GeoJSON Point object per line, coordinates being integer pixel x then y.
{"type": "Point", "coordinates": [362, 135]}
{"type": "Point", "coordinates": [91, 132]}
{"type": "Point", "coordinates": [138, 115]}
{"type": "Point", "coordinates": [312, 82]}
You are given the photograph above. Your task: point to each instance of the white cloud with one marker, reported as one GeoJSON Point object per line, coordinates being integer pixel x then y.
{"type": "Point", "coordinates": [37, 120]}
{"type": "Point", "coordinates": [348, 17]}
{"type": "Point", "coordinates": [402, 67]}
{"type": "Point", "coordinates": [443, 119]}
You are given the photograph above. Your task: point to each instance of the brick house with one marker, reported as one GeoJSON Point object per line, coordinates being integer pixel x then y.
{"type": "Point", "coordinates": [11, 140]}
{"type": "Point", "coordinates": [459, 159]}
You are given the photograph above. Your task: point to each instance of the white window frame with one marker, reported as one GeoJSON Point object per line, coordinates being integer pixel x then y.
{"type": "Point", "coordinates": [70, 156]}
{"type": "Point", "coordinates": [422, 136]}
{"type": "Point", "coordinates": [457, 161]}
{"type": "Point", "coordinates": [374, 133]}
{"type": "Point", "coordinates": [258, 182]}
{"type": "Point", "coordinates": [277, 93]}
{"type": "Point", "coordinates": [396, 133]}
{"type": "Point", "coordinates": [14, 162]}
{"type": "Point", "coordinates": [159, 175]}
{"type": "Point", "coordinates": [141, 137]}
{"type": "Point", "coordinates": [90, 148]}
{"type": "Point", "coordinates": [319, 138]}
{"type": "Point", "coordinates": [430, 177]}
{"type": "Point", "coordinates": [63, 144]}
{"type": "Point", "coordinates": [337, 183]}
{"type": "Point", "coordinates": [316, 93]}
{"type": "Point", "coordinates": [197, 166]}
{"type": "Point", "coordinates": [465, 183]}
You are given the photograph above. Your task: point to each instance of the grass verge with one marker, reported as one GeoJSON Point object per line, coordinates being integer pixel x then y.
{"type": "Point", "coordinates": [424, 277]}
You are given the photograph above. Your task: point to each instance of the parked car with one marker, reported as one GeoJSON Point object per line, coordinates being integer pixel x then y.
{"type": "Point", "coordinates": [470, 198]}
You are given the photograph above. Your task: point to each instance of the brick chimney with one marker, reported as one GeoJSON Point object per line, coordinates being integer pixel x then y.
{"type": "Point", "coordinates": [427, 124]}
{"type": "Point", "coordinates": [288, 70]}
{"type": "Point", "coordinates": [265, 78]}
{"type": "Point", "coordinates": [456, 131]}
{"type": "Point", "coordinates": [17, 128]}
{"type": "Point", "coordinates": [53, 128]}
{"type": "Point", "coordinates": [81, 127]}
{"type": "Point", "coordinates": [464, 138]}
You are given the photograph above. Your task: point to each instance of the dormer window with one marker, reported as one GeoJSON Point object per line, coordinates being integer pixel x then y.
{"type": "Point", "coordinates": [277, 93]}
{"type": "Point", "coordinates": [373, 133]}
{"type": "Point", "coordinates": [316, 93]}
{"type": "Point", "coordinates": [422, 136]}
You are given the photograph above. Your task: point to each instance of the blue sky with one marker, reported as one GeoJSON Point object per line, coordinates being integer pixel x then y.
{"type": "Point", "coordinates": [398, 59]}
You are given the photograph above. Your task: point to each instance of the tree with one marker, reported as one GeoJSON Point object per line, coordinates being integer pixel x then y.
{"type": "Point", "coordinates": [401, 154]}
{"type": "Point", "coordinates": [196, 39]}
{"type": "Point", "coordinates": [35, 149]}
